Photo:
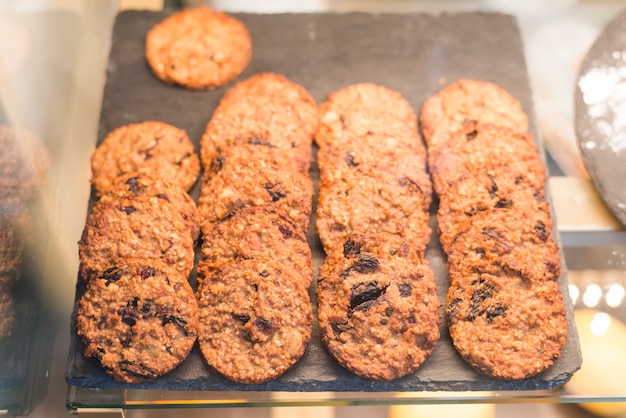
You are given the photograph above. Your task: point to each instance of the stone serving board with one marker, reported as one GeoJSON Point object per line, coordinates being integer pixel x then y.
{"type": "Point", "coordinates": [411, 53]}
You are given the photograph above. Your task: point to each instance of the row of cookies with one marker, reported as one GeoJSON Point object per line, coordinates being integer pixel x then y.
{"type": "Point", "coordinates": [24, 160]}
{"type": "Point", "coordinates": [378, 310]}
{"type": "Point", "coordinates": [504, 308]}
{"type": "Point", "coordinates": [255, 265]}
{"type": "Point", "coordinates": [138, 316]}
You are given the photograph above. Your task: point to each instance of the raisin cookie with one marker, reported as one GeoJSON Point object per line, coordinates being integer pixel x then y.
{"type": "Point", "coordinates": [486, 148]}
{"type": "Point", "coordinates": [138, 321]}
{"type": "Point", "coordinates": [446, 112]}
{"type": "Point", "coordinates": [359, 109]}
{"type": "Point", "coordinates": [198, 48]}
{"type": "Point", "coordinates": [151, 147]}
{"type": "Point", "coordinates": [353, 201]}
{"type": "Point", "coordinates": [138, 227]}
{"type": "Point", "coordinates": [252, 175]}
{"type": "Point", "coordinates": [477, 192]}
{"type": "Point", "coordinates": [504, 325]}
{"type": "Point", "coordinates": [378, 310]}
{"type": "Point", "coordinates": [520, 242]}
{"type": "Point", "coordinates": [255, 320]}
{"type": "Point", "coordinates": [256, 233]}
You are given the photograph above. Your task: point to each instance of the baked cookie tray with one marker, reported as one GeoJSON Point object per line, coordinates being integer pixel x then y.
{"type": "Point", "coordinates": [411, 53]}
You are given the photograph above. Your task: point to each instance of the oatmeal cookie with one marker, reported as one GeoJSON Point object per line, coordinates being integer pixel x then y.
{"type": "Point", "coordinates": [270, 120]}
{"type": "Point", "coordinates": [152, 148]}
{"type": "Point", "coordinates": [353, 201]}
{"type": "Point", "coordinates": [518, 241]}
{"type": "Point", "coordinates": [15, 225]}
{"type": "Point", "coordinates": [473, 193]}
{"type": "Point", "coordinates": [139, 227]}
{"type": "Point", "coordinates": [485, 148]}
{"type": "Point", "coordinates": [256, 233]}
{"type": "Point", "coordinates": [504, 325]}
{"type": "Point", "coordinates": [469, 100]}
{"type": "Point", "coordinates": [359, 109]}
{"type": "Point", "coordinates": [279, 87]}
{"type": "Point", "coordinates": [138, 321]}
{"type": "Point", "coordinates": [133, 184]}
{"type": "Point", "coordinates": [378, 310]}
{"type": "Point", "coordinates": [198, 48]}
{"type": "Point", "coordinates": [255, 320]}
{"type": "Point", "coordinates": [252, 175]}
{"type": "Point", "coordinates": [24, 161]}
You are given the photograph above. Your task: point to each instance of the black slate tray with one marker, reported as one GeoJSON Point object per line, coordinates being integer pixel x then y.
{"type": "Point", "coordinates": [410, 53]}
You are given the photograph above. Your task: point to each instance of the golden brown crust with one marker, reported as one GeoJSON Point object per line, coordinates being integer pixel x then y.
{"type": "Point", "coordinates": [152, 148]}
{"type": "Point", "coordinates": [198, 48]}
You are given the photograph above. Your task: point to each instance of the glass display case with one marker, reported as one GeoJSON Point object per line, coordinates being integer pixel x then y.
{"type": "Point", "coordinates": [57, 58]}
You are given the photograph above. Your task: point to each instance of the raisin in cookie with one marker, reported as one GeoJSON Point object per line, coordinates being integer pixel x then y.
{"type": "Point", "coordinates": [198, 48]}
{"type": "Point", "coordinates": [378, 309]}
{"type": "Point", "coordinates": [255, 320]}
{"type": "Point", "coordinates": [151, 147]}
{"type": "Point", "coordinates": [446, 112]}
{"type": "Point", "coordinates": [138, 321]}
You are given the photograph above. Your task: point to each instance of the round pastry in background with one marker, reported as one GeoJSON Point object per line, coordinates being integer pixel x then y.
{"type": "Point", "coordinates": [151, 148]}
{"type": "Point", "coordinates": [603, 344]}
{"type": "Point", "coordinates": [198, 48]}
{"type": "Point", "coordinates": [24, 161]}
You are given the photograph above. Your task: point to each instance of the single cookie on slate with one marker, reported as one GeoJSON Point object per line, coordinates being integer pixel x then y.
{"type": "Point", "coordinates": [357, 202]}
{"type": "Point", "coordinates": [519, 241]}
{"type": "Point", "coordinates": [198, 48]}
{"type": "Point", "coordinates": [249, 175]}
{"type": "Point", "coordinates": [378, 309]}
{"type": "Point", "coordinates": [255, 320]}
{"type": "Point", "coordinates": [506, 326]}
{"type": "Point", "coordinates": [138, 321]}
{"type": "Point", "coordinates": [485, 148]}
{"type": "Point", "coordinates": [256, 233]}
{"type": "Point", "coordinates": [130, 185]}
{"type": "Point", "coordinates": [24, 161]}
{"type": "Point", "coordinates": [476, 192]}
{"type": "Point", "coordinates": [7, 311]}
{"type": "Point", "coordinates": [151, 147]}
{"type": "Point", "coordinates": [137, 227]}
{"type": "Point", "coordinates": [359, 109]}
{"type": "Point", "coordinates": [446, 112]}
{"type": "Point", "coordinates": [270, 120]}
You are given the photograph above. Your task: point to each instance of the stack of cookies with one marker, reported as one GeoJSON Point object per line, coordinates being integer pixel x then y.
{"type": "Point", "coordinates": [138, 316]}
{"type": "Point", "coordinates": [504, 307]}
{"type": "Point", "coordinates": [24, 161]}
{"type": "Point", "coordinates": [255, 265]}
{"type": "Point", "coordinates": [378, 309]}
